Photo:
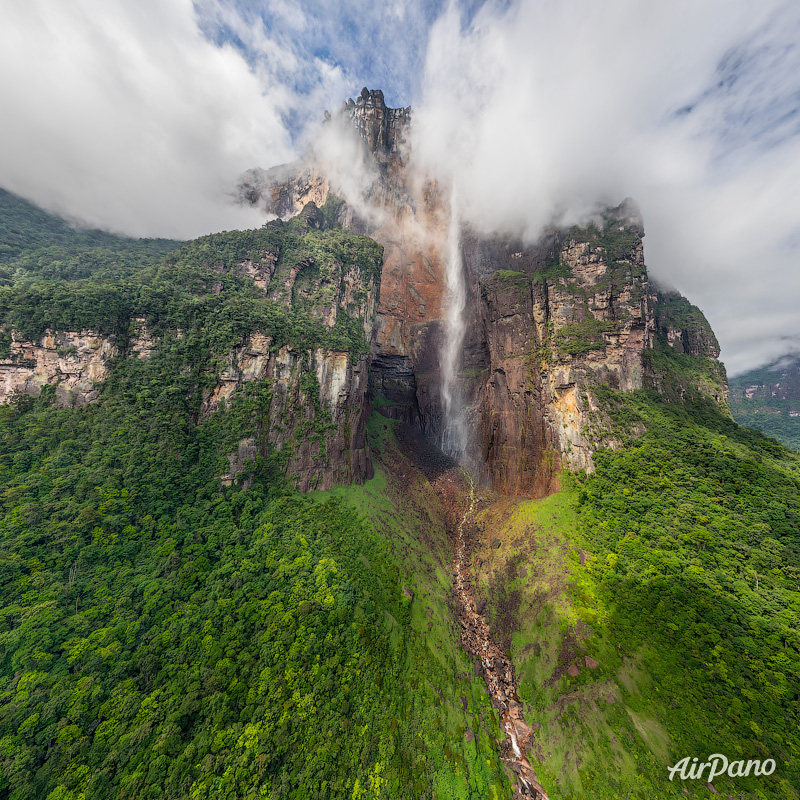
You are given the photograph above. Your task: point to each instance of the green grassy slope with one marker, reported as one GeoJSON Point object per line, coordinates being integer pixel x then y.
{"type": "Point", "coordinates": [676, 567]}
{"type": "Point", "coordinates": [598, 732]}
{"type": "Point", "coordinates": [403, 508]}
{"type": "Point", "coordinates": [697, 531]}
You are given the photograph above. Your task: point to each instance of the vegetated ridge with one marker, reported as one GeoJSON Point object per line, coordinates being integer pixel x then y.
{"type": "Point", "coordinates": [768, 399]}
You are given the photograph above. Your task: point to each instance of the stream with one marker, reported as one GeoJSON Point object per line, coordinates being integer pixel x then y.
{"type": "Point", "coordinates": [498, 670]}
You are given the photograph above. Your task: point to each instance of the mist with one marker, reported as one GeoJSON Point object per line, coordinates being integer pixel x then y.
{"type": "Point", "coordinates": [139, 117]}
{"type": "Point", "coordinates": [541, 112]}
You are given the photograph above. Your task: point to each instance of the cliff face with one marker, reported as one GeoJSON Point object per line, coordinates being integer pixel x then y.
{"type": "Point", "coordinates": [286, 189]}
{"type": "Point", "coordinates": [682, 330]}
{"type": "Point", "coordinates": [548, 322]}
{"type": "Point", "coordinates": [316, 413]}
{"type": "Point", "coordinates": [317, 396]}
{"type": "Point", "coordinates": [544, 321]}
{"type": "Point", "coordinates": [308, 298]}
{"type": "Point", "coordinates": [682, 326]}
{"type": "Point", "coordinates": [381, 128]}
{"type": "Point", "coordinates": [74, 362]}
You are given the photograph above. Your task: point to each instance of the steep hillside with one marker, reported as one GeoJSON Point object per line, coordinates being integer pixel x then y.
{"type": "Point", "coordinates": [176, 621]}
{"type": "Point", "coordinates": [35, 245]}
{"type": "Point", "coordinates": [651, 609]}
{"type": "Point", "coordinates": [290, 304]}
{"type": "Point", "coordinates": [768, 399]}
{"type": "Point", "coordinates": [163, 634]}
{"type": "Point", "coordinates": [236, 562]}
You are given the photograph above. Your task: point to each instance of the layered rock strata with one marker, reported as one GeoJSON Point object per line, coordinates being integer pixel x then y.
{"type": "Point", "coordinates": [74, 362]}
{"type": "Point", "coordinates": [316, 415]}
{"type": "Point", "coordinates": [318, 405]}
{"type": "Point", "coordinates": [546, 321]}
{"type": "Point", "coordinates": [314, 398]}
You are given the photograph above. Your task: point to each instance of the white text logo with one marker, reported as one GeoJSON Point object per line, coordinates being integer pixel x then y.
{"type": "Point", "coordinates": [716, 765]}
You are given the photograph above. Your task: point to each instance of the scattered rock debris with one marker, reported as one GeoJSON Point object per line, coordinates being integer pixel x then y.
{"type": "Point", "coordinates": [497, 669]}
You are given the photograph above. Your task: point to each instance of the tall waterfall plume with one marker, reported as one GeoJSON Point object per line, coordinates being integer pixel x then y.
{"type": "Point", "coordinates": [454, 429]}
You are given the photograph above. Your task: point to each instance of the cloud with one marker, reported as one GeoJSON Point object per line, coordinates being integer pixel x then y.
{"type": "Point", "coordinates": [139, 116]}
{"type": "Point", "coordinates": [127, 116]}
{"type": "Point", "coordinates": [381, 45]}
{"type": "Point", "coordinates": [539, 111]}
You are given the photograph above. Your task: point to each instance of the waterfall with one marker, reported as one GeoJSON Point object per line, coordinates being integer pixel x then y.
{"type": "Point", "coordinates": [454, 433]}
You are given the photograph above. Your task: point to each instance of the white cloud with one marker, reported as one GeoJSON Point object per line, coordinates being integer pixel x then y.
{"type": "Point", "coordinates": [545, 109]}
{"type": "Point", "coordinates": [125, 116]}
{"type": "Point", "coordinates": [138, 116]}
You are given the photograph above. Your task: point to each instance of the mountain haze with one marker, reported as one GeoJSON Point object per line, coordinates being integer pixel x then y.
{"type": "Point", "coordinates": [769, 399]}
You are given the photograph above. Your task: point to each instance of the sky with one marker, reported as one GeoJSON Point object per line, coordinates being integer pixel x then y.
{"type": "Point", "coordinates": [138, 115]}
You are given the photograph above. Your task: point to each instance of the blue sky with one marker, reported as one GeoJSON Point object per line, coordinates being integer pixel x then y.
{"type": "Point", "coordinates": [138, 115]}
{"type": "Point", "coordinates": [377, 44]}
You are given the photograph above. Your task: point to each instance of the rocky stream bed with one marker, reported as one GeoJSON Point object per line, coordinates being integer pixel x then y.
{"type": "Point", "coordinates": [497, 669]}
{"type": "Point", "coordinates": [456, 490]}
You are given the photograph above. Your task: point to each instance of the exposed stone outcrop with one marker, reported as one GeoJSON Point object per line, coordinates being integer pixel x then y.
{"type": "Point", "coordinates": [316, 412]}
{"type": "Point", "coordinates": [260, 270]}
{"type": "Point", "coordinates": [142, 342]}
{"type": "Point", "coordinates": [327, 435]}
{"type": "Point", "coordinates": [768, 399]}
{"type": "Point", "coordinates": [546, 320]}
{"type": "Point", "coordinates": [313, 400]}
{"type": "Point", "coordinates": [286, 189]}
{"type": "Point", "coordinates": [383, 129]}
{"type": "Point", "coordinates": [777, 384]}
{"type": "Point", "coordinates": [682, 326]}
{"type": "Point", "coordinates": [245, 455]}
{"type": "Point", "coordinates": [74, 362]}
{"type": "Point", "coordinates": [550, 321]}
{"type": "Point", "coordinates": [317, 406]}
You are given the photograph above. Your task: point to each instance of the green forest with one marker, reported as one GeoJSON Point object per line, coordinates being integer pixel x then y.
{"type": "Point", "coordinates": [695, 531]}
{"type": "Point", "coordinates": [675, 568]}
{"type": "Point", "coordinates": [163, 635]}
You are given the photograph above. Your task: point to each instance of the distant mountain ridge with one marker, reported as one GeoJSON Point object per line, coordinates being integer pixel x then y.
{"type": "Point", "coordinates": [36, 243]}
{"type": "Point", "coordinates": [768, 399]}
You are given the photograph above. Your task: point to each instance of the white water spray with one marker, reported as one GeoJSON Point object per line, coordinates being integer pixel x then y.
{"type": "Point", "coordinates": [453, 422]}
